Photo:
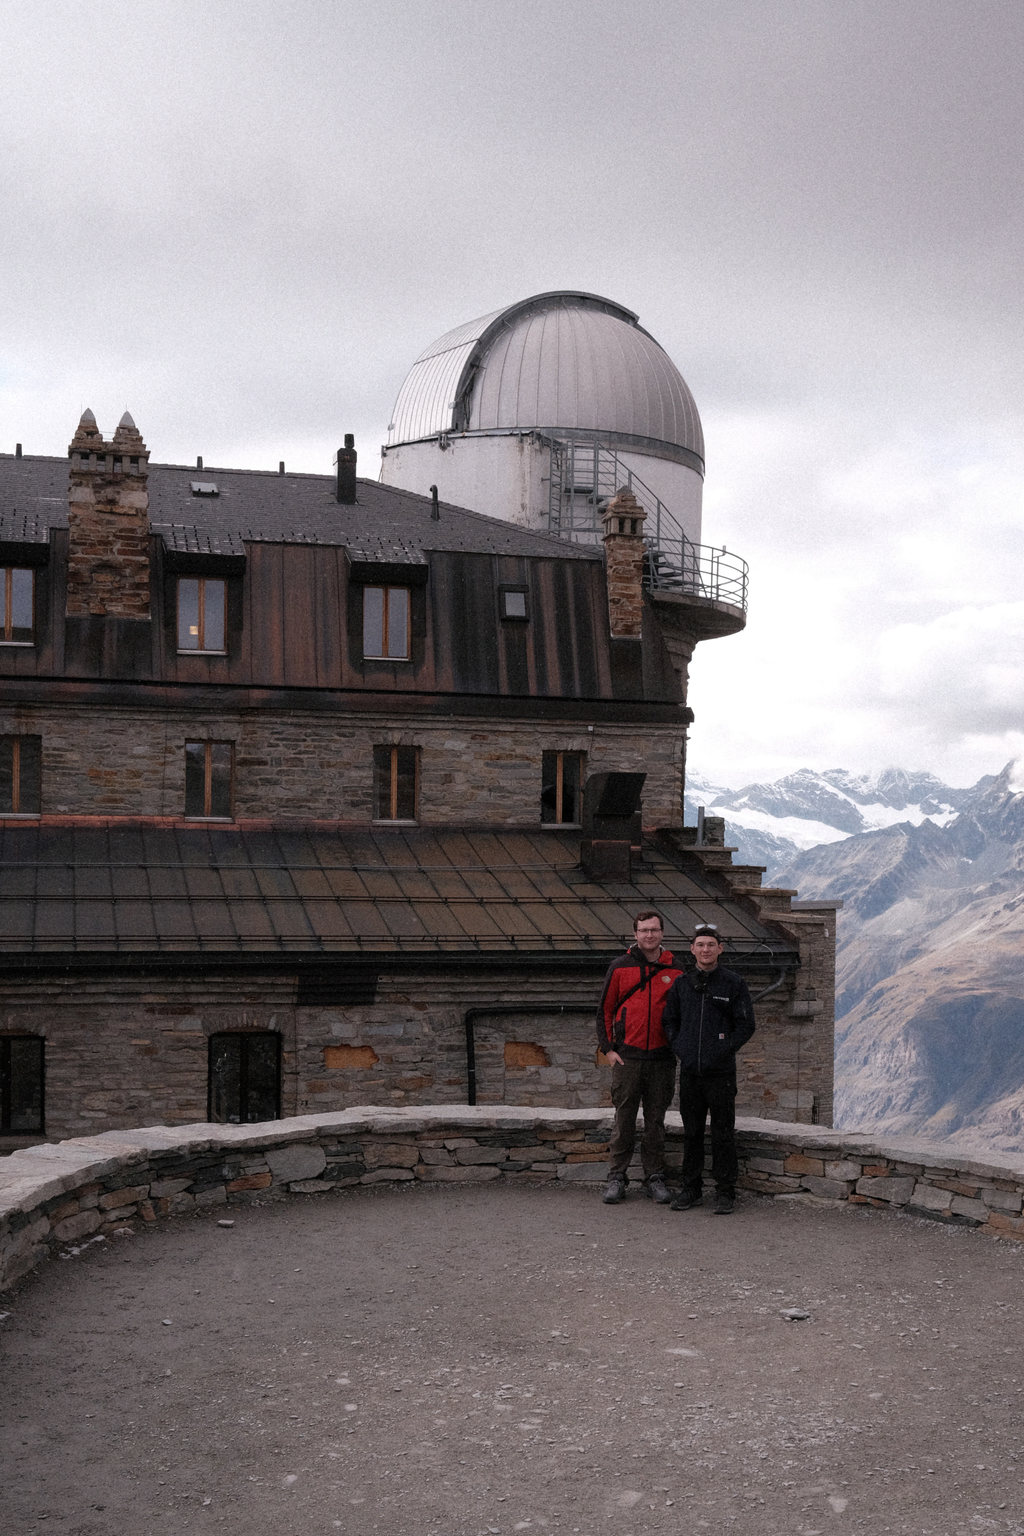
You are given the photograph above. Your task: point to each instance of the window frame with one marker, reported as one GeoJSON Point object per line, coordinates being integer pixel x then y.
{"type": "Point", "coordinates": [243, 1072]}
{"type": "Point", "coordinates": [17, 789]}
{"type": "Point", "coordinates": [207, 814]}
{"type": "Point", "coordinates": [387, 589]}
{"type": "Point", "coordinates": [201, 649]}
{"type": "Point", "coordinates": [394, 748]}
{"type": "Point", "coordinates": [6, 1129]}
{"type": "Point", "coordinates": [7, 573]}
{"type": "Point", "coordinates": [504, 589]}
{"type": "Point", "coordinates": [560, 754]}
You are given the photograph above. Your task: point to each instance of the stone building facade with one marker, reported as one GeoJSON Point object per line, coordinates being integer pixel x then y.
{"type": "Point", "coordinates": [302, 781]}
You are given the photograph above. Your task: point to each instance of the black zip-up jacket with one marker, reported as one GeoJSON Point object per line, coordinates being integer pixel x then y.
{"type": "Point", "coordinates": [708, 1015]}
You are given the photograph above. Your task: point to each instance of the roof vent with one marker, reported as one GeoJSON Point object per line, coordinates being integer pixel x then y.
{"type": "Point", "coordinates": [204, 488]}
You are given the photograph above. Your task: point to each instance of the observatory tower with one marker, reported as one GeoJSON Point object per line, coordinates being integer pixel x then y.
{"type": "Point", "coordinates": [541, 412]}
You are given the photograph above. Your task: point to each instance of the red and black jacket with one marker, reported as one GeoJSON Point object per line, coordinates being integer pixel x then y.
{"type": "Point", "coordinates": [629, 1013]}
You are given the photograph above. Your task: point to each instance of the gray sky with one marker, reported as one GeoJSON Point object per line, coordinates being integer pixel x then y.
{"type": "Point", "coordinates": [243, 221]}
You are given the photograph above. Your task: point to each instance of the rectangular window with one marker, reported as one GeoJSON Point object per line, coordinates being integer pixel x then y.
{"type": "Point", "coordinates": [208, 775]}
{"type": "Point", "coordinates": [513, 602]}
{"type": "Point", "coordinates": [21, 775]}
{"type": "Point", "coordinates": [244, 1081]}
{"type": "Point", "coordinates": [17, 603]}
{"type": "Point", "coordinates": [386, 623]}
{"type": "Point", "coordinates": [201, 613]}
{"type": "Point", "coordinates": [395, 783]}
{"type": "Point", "coordinates": [561, 798]}
{"type": "Point", "coordinates": [21, 1084]}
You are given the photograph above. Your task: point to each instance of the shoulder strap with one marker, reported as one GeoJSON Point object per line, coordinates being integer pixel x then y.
{"type": "Point", "coordinates": [638, 986]}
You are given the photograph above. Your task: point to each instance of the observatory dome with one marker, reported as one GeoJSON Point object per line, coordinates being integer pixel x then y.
{"type": "Point", "coordinates": [539, 411]}
{"type": "Point", "coordinates": [557, 362]}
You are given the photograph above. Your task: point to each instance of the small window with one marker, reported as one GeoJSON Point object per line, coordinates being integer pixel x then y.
{"type": "Point", "coordinates": [560, 795]}
{"type": "Point", "coordinates": [386, 623]}
{"type": "Point", "coordinates": [513, 602]}
{"type": "Point", "coordinates": [244, 1081]}
{"type": "Point", "coordinates": [395, 783]}
{"type": "Point", "coordinates": [17, 604]}
{"type": "Point", "coordinates": [21, 775]}
{"type": "Point", "coordinates": [201, 610]}
{"type": "Point", "coordinates": [21, 1084]}
{"type": "Point", "coordinates": [208, 778]}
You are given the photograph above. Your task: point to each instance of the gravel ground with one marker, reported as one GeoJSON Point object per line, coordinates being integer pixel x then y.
{"type": "Point", "coordinates": [439, 1361]}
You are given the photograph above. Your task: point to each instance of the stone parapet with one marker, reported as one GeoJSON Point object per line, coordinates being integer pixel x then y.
{"type": "Point", "coordinates": [62, 1195]}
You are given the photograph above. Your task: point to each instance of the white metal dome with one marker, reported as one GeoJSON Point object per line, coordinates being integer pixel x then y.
{"type": "Point", "coordinates": [558, 362]}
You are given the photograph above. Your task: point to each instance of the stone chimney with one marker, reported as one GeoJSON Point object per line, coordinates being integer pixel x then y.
{"type": "Point", "coordinates": [108, 522]}
{"type": "Point", "coordinates": [623, 524]}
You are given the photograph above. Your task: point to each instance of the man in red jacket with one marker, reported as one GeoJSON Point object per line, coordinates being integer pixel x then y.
{"type": "Point", "coordinates": [629, 1034]}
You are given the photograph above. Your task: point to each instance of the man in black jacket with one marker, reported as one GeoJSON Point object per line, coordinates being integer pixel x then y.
{"type": "Point", "coordinates": [708, 1016]}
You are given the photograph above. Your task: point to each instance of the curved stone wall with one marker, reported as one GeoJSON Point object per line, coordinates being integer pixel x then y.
{"type": "Point", "coordinates": [66, 1193]}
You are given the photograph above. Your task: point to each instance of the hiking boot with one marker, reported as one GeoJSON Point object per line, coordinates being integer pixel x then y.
{"type": "Point", "coordinates": [725, 1204]}
{"type": "Point", "coordinates": [614, 1190]}
{"type": "Point", "coordinates": [685, 1200]}
{"type": "Point", "coordinates": [658, 1191]}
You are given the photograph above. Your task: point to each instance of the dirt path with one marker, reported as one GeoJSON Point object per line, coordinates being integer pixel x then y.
{"type": "Point", "coordinates": [449, 1361]}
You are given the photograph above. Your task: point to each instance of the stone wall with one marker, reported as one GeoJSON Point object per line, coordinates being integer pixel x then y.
{"type": "Point", "coordinates": [131, 762]}
{"type": "Point", "coordinates": [124, 1051]}
{"type": "Point", "coordinates": [62, 1195]}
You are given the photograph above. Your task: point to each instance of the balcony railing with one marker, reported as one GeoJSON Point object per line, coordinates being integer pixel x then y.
{"type": "Point", "coordinates": [584, 478]}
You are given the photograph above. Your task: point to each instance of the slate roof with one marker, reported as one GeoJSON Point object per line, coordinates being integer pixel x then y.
{"type": "Point", "coordinates": [69, 885]}
{"type": "Point", "coordinates": [263, 507]}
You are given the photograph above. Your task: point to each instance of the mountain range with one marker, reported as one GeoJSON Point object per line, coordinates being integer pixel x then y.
{"type": "Point", "coordinates": [930, 940]}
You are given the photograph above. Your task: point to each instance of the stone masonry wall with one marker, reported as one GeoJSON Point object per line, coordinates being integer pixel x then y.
{"type": "Point", "coordinates": [125, 1051]}
{"type": "Point", "coordinates": [82, 1190]}
{"type": "Point", "coordinates": [131, 762]}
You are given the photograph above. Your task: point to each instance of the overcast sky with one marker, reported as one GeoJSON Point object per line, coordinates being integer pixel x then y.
{"type": "Point", "coordinates": [244, 221]}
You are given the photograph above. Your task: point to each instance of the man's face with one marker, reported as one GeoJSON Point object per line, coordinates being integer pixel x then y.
{"type": "Point", "coordinates": [648, 936]}
{"type": "Point", "coordinates": [706, 951]}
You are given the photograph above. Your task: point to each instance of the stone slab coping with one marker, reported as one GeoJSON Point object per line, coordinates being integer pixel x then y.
{"type": "Point", "coordinates": [34, 1174]}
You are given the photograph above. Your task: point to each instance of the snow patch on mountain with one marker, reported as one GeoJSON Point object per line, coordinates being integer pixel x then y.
{"type": "Point", "coordinates": [771, 823]}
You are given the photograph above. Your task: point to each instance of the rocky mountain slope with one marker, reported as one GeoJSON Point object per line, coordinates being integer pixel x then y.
{"type": "Point", "coordinates": [930, 963]}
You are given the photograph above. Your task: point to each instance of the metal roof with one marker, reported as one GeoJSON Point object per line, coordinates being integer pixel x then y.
{"type": "Point", "coordinates": [557, 362]}
{"type": "Point", "coordinates": [106, 886]}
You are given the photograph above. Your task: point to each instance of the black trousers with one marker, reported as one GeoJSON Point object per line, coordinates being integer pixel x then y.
{"type": "Point", "coordinates": [698, 1094]}
{"type": "Point", "coordinates": [649, 1083]}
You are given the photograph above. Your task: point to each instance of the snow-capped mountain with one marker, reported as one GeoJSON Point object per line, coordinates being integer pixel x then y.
{"type": "Point", "coordinates": [771, 823]}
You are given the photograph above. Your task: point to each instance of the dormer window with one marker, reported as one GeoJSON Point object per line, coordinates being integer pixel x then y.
{"type": "Point", "coordinates": [201, 614]}
{"type": "Point", "coordinates": [204, 488]}
{"type": "Point", "coordinates": [386, 623]}
{"type": "Point", "coordinates": [17, 602]}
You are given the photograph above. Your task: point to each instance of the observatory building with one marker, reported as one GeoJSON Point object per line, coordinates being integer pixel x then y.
{"type": "Point", "coordinates": [319, 791]}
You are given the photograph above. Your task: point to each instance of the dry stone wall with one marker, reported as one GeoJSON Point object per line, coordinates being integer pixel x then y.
{"type": "Point", "coordinates": [62, 1195]}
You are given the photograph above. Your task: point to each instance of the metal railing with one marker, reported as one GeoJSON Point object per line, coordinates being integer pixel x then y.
{"type": "Point", "coordinates": [584, 478]}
